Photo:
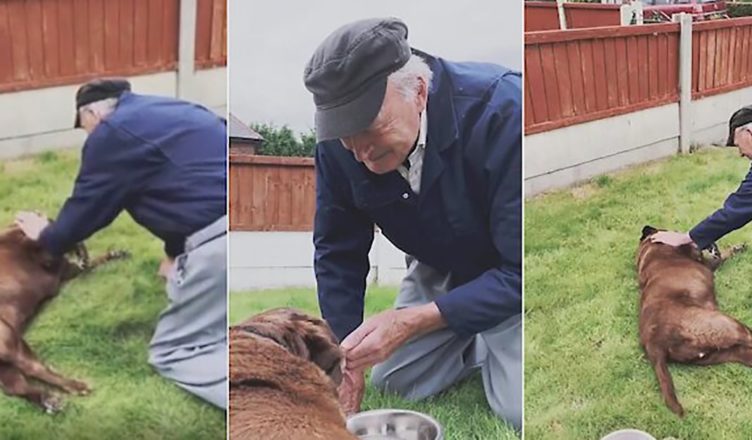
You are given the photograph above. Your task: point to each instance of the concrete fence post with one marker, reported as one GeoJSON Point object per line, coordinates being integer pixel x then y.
{"type": "Point", "coordinates": [685, 81]}
{"type": "Point", "coordinates": [562, 15]}
{"type": "Point", "coordinates": [186, 47]}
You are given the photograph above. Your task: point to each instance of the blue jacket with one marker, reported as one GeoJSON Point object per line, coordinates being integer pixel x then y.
{"type": "Point", "coordinates": [466, 219]}
{"type": "Point", "coordinates": [736, 212]}
{"type": "Point", "coordinates": [163, 160]}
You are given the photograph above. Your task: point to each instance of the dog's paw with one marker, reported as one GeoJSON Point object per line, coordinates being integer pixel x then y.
{"type": "Point", "coordinates": [78, 387]}
{"type": "Point", "coordinates": [52, 404]}
{"type": "Point", "coordinates": [739, 248]}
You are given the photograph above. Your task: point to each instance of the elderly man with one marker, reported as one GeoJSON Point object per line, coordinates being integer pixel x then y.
{"type": "Point", "coordinates": [430, 151]}
{"type": "Point", "coordinates": [737, 209]}
{"type": "Point", "coordinates": [163, 161]}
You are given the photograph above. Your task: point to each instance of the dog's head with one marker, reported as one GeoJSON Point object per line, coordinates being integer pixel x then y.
{"type": "Point", "coordinates": [13, 237]}
{"type": "Point", "coordinates": [302, 335]}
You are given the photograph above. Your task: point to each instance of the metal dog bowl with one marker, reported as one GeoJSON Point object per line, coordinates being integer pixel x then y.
{"type": "Point", "coordinates": [628, 434]}
{"type": "Point", "coordinates": [394, 424]}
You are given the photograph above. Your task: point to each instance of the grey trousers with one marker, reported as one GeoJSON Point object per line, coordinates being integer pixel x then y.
{"type": "Point", "coordinates": [431, 363]}
{"type": "Point", "coordinates": [189, 345]}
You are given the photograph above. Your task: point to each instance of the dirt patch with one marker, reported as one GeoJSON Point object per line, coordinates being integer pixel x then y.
{"type": "Point", "coordinates": [584, 192]}
{"type": "Point", "coordinates": [18, 166]}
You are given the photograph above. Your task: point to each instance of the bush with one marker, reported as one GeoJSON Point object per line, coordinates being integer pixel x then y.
{"type": "Point", "coordinates": [739, 9]}
{"type": "Point", "coordinates": [281, 141]}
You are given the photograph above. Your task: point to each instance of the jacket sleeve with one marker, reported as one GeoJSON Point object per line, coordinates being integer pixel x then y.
{"type": "Point", "coordinates": [735, 213]}
{"type": "Point", "coordinates": [109, 164]}
{"type": "Point", "coordinates": [342, 238]}
{"type": "Point", "coordinates": [496, 294]}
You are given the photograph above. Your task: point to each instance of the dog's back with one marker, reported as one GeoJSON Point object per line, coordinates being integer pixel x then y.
{"type": "Point", "coordinates": [679, 317]}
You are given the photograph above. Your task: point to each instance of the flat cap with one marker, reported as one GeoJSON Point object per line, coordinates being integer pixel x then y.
{"type": "Point", "coordinates": [741, 117]}
{"type": "Point", "coordinates": [97, 90]}
{"type": "Point", "coordinates": [347, 74]}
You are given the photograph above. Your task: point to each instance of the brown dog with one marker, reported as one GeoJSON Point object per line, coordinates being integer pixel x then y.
{"type": "Point", "coordinates": [29, 277]}
{"type": "Point", "coordinates": [679, 317]}
{"type": "Point", "coordinates": [284, 370]}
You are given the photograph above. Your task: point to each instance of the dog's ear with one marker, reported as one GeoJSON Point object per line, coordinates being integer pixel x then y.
{"type": "Point", "coordinates": [323, 349]}
{"type": "Point", "coordinates": [647, 231]}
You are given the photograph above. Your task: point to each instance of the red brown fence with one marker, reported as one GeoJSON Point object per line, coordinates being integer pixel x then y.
{"type": "Point", "coordinates": [211, 33]}
{"type": "Point", "coordinates": [53, 42]}
{"type": "Point", "coordinates": [580, 75]}
{"type": "Point", "coordinates": [271, 193]}
{"type": "Point", "coordinates": [543, 16]}
{"type": "Point", "coordinates": [721, 56]}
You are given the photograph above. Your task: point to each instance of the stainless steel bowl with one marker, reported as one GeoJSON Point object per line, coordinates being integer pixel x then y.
{"type": "Point", "coordinates": [628, 434]}
{"type": "Point", "coordinates": [394, 424]}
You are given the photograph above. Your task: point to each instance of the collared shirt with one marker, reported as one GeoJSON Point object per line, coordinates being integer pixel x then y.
{"type": "Point", "coordinates": [415, 159]}
{"type": "Point", "coordinates": [161, 159]}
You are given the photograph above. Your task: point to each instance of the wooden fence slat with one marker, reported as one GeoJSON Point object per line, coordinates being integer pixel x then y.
{"type": "Point", "coordinates": [575, 75]}
{"type": "Point", "coordinates": [141, 33]}
{"type": "Point", "coordinates": [50, 38]}
{"type": "Point", "coordinates": [66, 40]}
{"type": "Point", "coordinates": [620, 51]}
{"type": "Point", "coordinates": [611, 78]}
{"type": "Point", "coordinates": [170, 32]}
{"type": "Point", "coordinates": [6, 48]}
{"type": "Point", "coordinates": [19, 41]}
{"type": "Point", "coordinates": [564, 81]}
{"type": "Point", "coordinates": [126, 25]}
{"type": "Point", "coordinates": [633, 69]}
{"type": "Point", "coordinates": [81, 44]}
{"type": "Point", "coordinates": [588, 75]}
{"type": "Point", "coordinates": [218, 19]}
{"type": "Point", "coordinates": [549, 81]}
{"type": "Point", "coordinates": [537, 94]}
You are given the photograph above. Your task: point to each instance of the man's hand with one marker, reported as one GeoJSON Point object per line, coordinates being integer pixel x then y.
{"type": "Point", "coordinates": [351, 390]}
{"type": "Point", "coordinates": [671, 238]}
{"type": "Point", "coordinates": [31, 223]}
{"type": "Point", "coordinates": [382, 334]}
{"type": "Point", "coordinates": [165, 267]}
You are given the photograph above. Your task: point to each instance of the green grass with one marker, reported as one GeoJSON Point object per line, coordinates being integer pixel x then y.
{"type": "Point", "coordinates": [98, 330]}
{"type": "Point", "coordinates": [462, 410]}
{"type": "Point", "coordinates": [585, 374]}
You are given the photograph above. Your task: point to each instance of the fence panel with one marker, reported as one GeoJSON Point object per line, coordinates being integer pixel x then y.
{"type": "Point", "coordinates": [721, 56]}
{"type": "Point", "coordinates": [211, 33]}
{"type": "Point", "coordinates": [271, 193]}
{"type": "Point", "coordinates": [52, 42]}
{"type": "Point", "coordinates": [581, 75]}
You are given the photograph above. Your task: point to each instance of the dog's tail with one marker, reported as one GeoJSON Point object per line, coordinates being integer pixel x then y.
{"type": "Point", "coordinates": [659, 359]}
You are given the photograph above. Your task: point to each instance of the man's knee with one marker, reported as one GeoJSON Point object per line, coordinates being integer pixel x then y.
{"type": "Point", "coordinates": [385, 380]}
{"type": "Point", "coordinates": [510, 413]}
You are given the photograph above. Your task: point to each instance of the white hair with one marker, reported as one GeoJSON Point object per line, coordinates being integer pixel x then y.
{"type": "Point", "coordinates": [100, 108]}
{"type": "Point", "coordinates": [406, 78]}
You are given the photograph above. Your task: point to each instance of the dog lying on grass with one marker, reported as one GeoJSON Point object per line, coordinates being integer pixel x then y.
{"type": "Point", "coordinates": [285, 367]}
{"type": "Point", "coordinates": [679, 316]}
{"type": "Point", "coordinates": [29, 277]}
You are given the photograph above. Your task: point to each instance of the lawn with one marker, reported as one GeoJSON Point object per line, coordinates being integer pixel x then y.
{"type": "Point", "coordinates": [98, 330]}
{"type": "Point", "coordinates": [585, 374]}
{"type": "Point", "coordinates": [462, 410]}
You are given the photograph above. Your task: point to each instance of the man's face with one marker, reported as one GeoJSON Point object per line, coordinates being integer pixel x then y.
{"type": "Point", "coordinates": [743, 140]}
{"type": "Point", "coordinates": [387, 142]}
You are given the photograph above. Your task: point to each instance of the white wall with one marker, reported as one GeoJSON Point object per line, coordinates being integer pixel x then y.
{"type": "Point", "coordinates": [42, 119]}
{"type": "Point", "coordinates": [566, 156]}
{"type": "Point", "coordinates": [260, 260]}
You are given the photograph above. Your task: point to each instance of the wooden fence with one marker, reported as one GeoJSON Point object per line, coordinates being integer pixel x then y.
{"type": "Point", "coordinates": [271, 193]}
{"type": "Point", "coordinates": [542, 16]}
{"type": "Point", "coordinates": [53, 42]}
{"type": "Point", "coordinates": [211, 33]}
{"type": "Point", "coordinates": [721, 56]}
{"type": "Point", "coordinates": [582, 75]}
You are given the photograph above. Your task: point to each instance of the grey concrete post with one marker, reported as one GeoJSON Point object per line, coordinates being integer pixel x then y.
{"type": "Point", "coordinates": [186, 47]}
{"type": "Point", "coordinates": [562, 15]}
{"type": "Point", "coordinates": [685, 82]}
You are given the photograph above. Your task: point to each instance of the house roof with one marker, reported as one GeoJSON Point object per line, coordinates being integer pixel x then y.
{"type": "Point", "coordinates": [242, 132]}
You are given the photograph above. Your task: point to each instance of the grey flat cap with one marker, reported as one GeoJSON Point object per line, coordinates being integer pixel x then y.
{"type": "Point", "coordinates": [741, 117]}
{"type": "Point", "coordinates": [347, 74]}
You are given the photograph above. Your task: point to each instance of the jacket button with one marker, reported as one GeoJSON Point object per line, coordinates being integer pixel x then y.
{"type": "Point", "coordinates": [405, 195]}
